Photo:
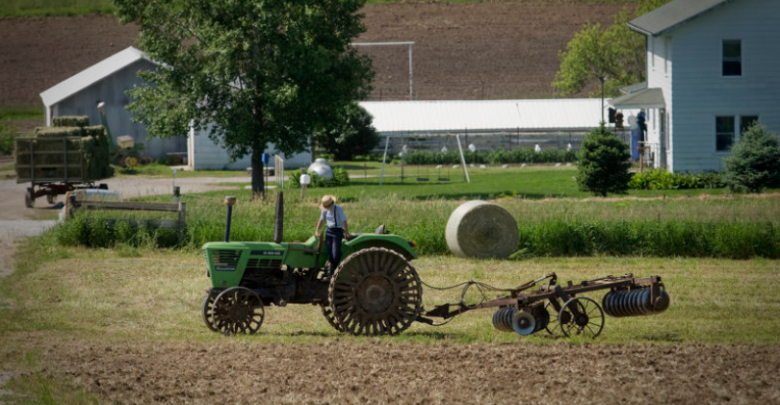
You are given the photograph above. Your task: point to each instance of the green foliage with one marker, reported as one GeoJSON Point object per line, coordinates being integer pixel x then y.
{"type": "Point", "coordinates": [497, 156]}
{"type": "Point", "coordinates": [340, 178]}
{"type": "Point", "coordinates": [734, 240]}
{"type": "Point", "coordinates": [7, 136]}
{"type": "Point", "coordinates": [603, 163]}
{"type": "Point", "coordinates": [353, 134]}
{"type": "Point", "coordinates": [98, 231]}
{"type": "Point", "coordinates": [754, 163]}
{"type": "Point", "coordinates": [660, 179]}
{"type": "Point", "coordinates": [615, 52]}
{"type": "Point", "coordinates": [248, 72]}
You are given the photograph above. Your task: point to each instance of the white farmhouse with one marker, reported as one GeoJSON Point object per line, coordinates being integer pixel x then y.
{"type": "Point", "coordinates": [713, 69]}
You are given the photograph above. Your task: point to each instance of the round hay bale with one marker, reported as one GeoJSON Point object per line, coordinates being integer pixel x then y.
{"type": "Point", "coordinates": [483, 230]}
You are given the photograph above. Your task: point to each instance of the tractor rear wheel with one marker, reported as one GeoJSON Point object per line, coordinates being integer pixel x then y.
{"type": "Point", "coordinates": [238, 310]}
{"type": "Point", "coordinates": [327, 312]}
{"type": "Point", "coordinates": [375, 291]}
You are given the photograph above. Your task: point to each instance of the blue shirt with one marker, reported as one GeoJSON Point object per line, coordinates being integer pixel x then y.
{"type": "Point", "coordinates": [334, 217]}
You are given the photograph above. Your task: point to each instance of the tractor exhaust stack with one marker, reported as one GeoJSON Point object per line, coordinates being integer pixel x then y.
{"type": "Point", "coordinates": [229, 201]}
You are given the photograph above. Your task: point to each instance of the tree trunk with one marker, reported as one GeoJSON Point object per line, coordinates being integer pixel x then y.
{"type": "Point", "coordinates": [258, 189]}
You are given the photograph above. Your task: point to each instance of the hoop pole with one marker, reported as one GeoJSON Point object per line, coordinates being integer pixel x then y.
{"type": "Point", "coordinates": [463, 159]}
{"type": "Point", "coordinates": [382, 174]}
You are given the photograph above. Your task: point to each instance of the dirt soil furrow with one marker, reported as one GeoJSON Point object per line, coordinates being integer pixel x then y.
{"type": "Point", "coordinates": [404, 373]}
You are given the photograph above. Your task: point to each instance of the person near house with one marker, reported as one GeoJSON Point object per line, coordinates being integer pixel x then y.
{"type": "Point", "coordinates": [336, 230]}
{"type": "Point", "coordinates": [640, 121]}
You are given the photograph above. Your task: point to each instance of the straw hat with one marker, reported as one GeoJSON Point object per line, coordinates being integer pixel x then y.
{"type": "Point", "coordinates": [327, 202]}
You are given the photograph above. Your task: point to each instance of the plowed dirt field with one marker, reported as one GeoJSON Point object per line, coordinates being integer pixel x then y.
{"type": "Point", "coordinates": [488, 50]}
{"type": "Point", "coordinates": [388, 373]}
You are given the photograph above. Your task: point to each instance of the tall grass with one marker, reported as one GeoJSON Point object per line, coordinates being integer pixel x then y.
{"type": "Point", "coordinates": [727, 228]}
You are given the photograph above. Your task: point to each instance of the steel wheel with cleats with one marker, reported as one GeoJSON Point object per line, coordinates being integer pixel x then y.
{"type": "Point", "coordinates": [375, 291]}
{"type": "Point", "coordinates": [327, 312]}
{"type": "Point", "coordinates": [208, 311]}
{"type": "Point", "coordinates": [581, 316]}
{"type": "Point", "coordinates": [238, 310]}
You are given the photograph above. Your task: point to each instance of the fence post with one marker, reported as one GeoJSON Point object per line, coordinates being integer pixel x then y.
{"type": "Point", "coordinates": [71, 207]}
{"type": "Point", "coordinates": [182, 220]}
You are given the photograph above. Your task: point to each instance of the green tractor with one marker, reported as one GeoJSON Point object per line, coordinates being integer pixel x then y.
{"type": "Point", "coordinates": [374, 291]}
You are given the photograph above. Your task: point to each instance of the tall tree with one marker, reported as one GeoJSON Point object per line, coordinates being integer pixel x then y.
{"type": "Point", "coordinates": [352, 135]}
{"type": "Point", "coordinates": [615, 52]}
{"type": "Point", "coordinates": [250, 72]}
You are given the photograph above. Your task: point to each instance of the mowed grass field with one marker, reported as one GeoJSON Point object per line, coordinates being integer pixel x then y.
{"type": "Point", "coordinates": [72, 317]}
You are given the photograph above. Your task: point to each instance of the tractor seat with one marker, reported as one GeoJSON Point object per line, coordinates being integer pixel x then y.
{"type": "Point", "coordinates": [380, 230]}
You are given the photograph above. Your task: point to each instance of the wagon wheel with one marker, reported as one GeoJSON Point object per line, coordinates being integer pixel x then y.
{"type": "Point", "coordinates": [51, 198]}
{"type": "Point", "coordinates": [375, 291]}
{"type": "Point", "coordinates": [327, 312]}
{"type": "Point", "coordinates": [29, 199]}
{"type": "Point", "coordinates": [587, 320]}
{"type": "Point", "coordinates": [238, 310]}
{"type": "Point", "coordinates": [208, 310]}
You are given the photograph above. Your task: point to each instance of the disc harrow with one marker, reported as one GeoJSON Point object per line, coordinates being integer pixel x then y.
{"type": "Point", "coordinates": [567, 311]}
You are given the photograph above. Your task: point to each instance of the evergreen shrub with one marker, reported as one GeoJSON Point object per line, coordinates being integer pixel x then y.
{"type": "Point", "coordinates": [754, 163]}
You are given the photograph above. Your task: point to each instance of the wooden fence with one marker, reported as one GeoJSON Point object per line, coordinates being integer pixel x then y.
{"type": "Point", "coordinates": [74, 205]}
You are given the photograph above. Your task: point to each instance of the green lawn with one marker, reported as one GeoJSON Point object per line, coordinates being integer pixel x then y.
{"type": "Point", "coordinates": [530, 182]}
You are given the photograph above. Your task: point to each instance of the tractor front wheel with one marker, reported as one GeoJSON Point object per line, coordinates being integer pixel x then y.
{"type": "Point", "coordinates": [238, 310]}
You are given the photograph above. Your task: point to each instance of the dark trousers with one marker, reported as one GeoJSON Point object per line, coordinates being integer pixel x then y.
{"type": "Point", "coordinates": [333, 237]}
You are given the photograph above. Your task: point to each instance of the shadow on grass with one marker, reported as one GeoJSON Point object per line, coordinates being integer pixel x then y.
{"type": "Point", "coordinates": [662, 337]}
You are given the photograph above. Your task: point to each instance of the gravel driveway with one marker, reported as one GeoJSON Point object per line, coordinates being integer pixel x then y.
{"type": "Point", "coordinates": [18, 221]}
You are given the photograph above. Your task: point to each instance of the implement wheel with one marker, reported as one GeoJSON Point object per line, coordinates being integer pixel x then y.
{"type": "Point", "coordinates": [238, 310]}
{"type": "Point", "coordinates": [374, 292]}
{"type": "Point", "coordinates": [29, 198]}
{"type": "Point", "coordinates": [581, 316]}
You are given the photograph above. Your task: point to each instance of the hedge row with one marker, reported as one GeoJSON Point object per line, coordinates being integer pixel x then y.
{"type": "Point", "coordinates": [661, 179]}
{"type": "Point", "coordinates": [498, 156]}
{"type": "Point", "coordinates": [732, 240]}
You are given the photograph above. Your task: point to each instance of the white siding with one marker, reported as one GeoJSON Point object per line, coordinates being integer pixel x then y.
{"type": "Point", "coordinates": [701, 93]}
{"type": "Point", "coordinates": [204, 154]}
{"type": "Point", "coordinates": [659, 74]}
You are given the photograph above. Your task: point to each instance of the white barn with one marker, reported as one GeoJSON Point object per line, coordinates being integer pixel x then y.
{"type": "Point", "coordinates": [712, 70]}
{"type": "Point", "coordinates": [204, 154]}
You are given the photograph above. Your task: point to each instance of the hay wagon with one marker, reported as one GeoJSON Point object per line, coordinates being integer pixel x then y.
{"type": "Point", "coordinates": [56, 165]}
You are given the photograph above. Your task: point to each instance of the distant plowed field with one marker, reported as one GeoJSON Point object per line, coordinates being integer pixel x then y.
{"type": "Point", "coordinates": [486, 50]}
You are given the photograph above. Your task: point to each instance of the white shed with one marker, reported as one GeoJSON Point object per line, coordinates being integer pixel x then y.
{"type": "Point", "coordinates": [107, 81]}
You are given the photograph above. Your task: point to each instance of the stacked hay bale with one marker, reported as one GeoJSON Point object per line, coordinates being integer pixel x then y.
{"type": "Point", "coordinates": [86, 149]}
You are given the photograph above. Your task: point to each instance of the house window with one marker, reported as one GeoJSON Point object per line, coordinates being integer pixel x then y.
{"type": "Point", "coordinates": [745, 122]}
{"type": "Point", "coordinates": [732, 57]}
{"type": "Point", "coordinates": [724, 133]}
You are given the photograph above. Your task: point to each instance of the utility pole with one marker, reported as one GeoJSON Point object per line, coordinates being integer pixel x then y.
{"type": "Point", "coordinates": [602, 79]}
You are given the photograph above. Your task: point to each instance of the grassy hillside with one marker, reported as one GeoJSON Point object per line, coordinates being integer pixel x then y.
{"type": "Point", "coordinates": [28, 8]}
